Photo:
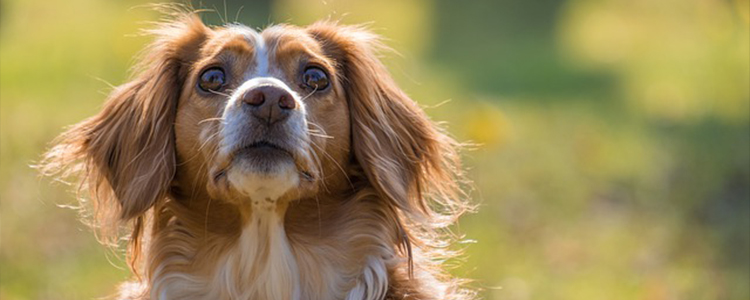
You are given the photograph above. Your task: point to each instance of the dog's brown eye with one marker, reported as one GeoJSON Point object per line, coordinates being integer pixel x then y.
{"type": "Point", "coordinates": [212, 79]}
{"type": "Point", "coordinates": [315, 78]}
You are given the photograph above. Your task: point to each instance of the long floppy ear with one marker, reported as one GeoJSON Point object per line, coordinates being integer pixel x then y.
{"type": "Point", "coordinates": [124, 155]}
{"type": "Point", "coordinates": [408, 159]}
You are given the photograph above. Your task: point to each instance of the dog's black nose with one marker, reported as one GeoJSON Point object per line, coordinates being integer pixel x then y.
{"type": "Point", "coordinates": [269, 103]}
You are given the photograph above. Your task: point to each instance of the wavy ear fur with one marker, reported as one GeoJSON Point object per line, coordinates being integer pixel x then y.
{"type": "Point", "coordinates": [124, 156]}
{"type": "Point", "coordinates": [408, 159]}
{"type": "Point", "coordinates": [411, 163]}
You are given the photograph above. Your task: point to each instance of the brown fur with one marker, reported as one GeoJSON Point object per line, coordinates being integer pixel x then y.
{"type": "Point", "coordinates": [385, 179]}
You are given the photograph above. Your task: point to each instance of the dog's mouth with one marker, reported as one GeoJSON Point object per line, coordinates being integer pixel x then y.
{"type": "Point", "coordinates": [262, 154]}
{"type": "Point", "coordinates": [262, 147]}
{"type": "Point", "coordinates": [263, 158]}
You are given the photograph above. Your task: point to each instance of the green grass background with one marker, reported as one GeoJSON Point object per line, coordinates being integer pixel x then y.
{"type": "Point", "coordinates": [614, 157]}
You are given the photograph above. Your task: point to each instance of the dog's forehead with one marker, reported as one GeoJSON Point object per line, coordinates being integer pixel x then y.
{"type": "Point", "coordinates": [268, 50]}
{"type": "Point", "coordinates": [243, 33]}
{"type": "Point", "coordinates": [226, 39]}
{"type": "Point", "coordinates": [277, 40]}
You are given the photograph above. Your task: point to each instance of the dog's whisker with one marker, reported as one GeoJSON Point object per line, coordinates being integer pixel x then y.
{"type": "Point", "coordinates": [320, 135]}
{"type": "Point", "coordinates": [208, 140]}
{"type": "Point", "coordinates": [319, 131]}
{"type": "Point", "coordinates": [351, 184]}
{"type": "Point", "coordinates": [211, 119]}
{"type": "Point", "coordinates": [220, 93]}
{"type": "Point", "coordinates": [308, 95]}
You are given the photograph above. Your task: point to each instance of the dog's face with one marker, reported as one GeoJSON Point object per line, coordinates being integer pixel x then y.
{"type": "Point", "coordinates": [228, 115]}
{"type": "Point", "coordinates": [262, 117]}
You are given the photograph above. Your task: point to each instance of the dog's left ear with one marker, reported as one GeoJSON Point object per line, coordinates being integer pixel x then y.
{"type": "Point", "coordinates": [401, 151]}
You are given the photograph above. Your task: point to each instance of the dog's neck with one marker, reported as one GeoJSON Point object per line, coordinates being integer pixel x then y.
{"type": "Point", "coordinates": [262, 261]}
{"type": "Point", "coordinates": [262, 255]}
{"type": "Point", "coordinates": [259, 263]}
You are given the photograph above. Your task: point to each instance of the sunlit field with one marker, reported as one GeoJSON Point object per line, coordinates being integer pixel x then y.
{"type": "Point", "coordinates": [612, 156]}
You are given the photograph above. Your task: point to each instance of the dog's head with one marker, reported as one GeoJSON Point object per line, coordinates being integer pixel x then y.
{"type": "Point", "coordinates": [261, 118]}
{"type": "Point", "coordinates": [255, 120]}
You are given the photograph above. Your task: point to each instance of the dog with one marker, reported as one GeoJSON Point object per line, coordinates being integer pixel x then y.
{"type": "Point", "coordinates": [281, 164]}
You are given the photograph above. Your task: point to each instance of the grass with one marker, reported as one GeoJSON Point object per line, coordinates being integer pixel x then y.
{"type": "Point", "coordinates": [596, 178]}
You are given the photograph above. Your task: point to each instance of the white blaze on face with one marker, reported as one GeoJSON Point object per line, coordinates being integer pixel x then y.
{"type": "Point", "coordinates": [261, 56]}
{"type": "Point", "coordinates": [265, 186]}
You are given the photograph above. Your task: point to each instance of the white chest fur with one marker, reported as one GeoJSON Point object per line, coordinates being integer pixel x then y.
{"type": "Point", "coordinates": [261, 265]}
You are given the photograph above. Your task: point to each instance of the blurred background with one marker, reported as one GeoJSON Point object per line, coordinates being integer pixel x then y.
{"type": "Point", "coordinates": [614, 157]}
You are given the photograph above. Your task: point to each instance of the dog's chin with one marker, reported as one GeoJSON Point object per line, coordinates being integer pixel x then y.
{"type": "Point", "coordinates": [263, 175]}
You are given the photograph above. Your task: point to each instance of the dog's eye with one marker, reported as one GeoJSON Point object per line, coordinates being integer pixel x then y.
{"type": "Point", "coordinates": [212, 80]}
{"type": "Point", "coordinates": [315, 78]}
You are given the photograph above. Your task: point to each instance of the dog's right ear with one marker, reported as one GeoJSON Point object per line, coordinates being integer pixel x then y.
{"type": "Point", "coordinates": [125, 155]}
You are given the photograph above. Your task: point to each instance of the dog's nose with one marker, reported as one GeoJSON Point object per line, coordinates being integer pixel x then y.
{"type": "Point", "coordinates": [269, 103]}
